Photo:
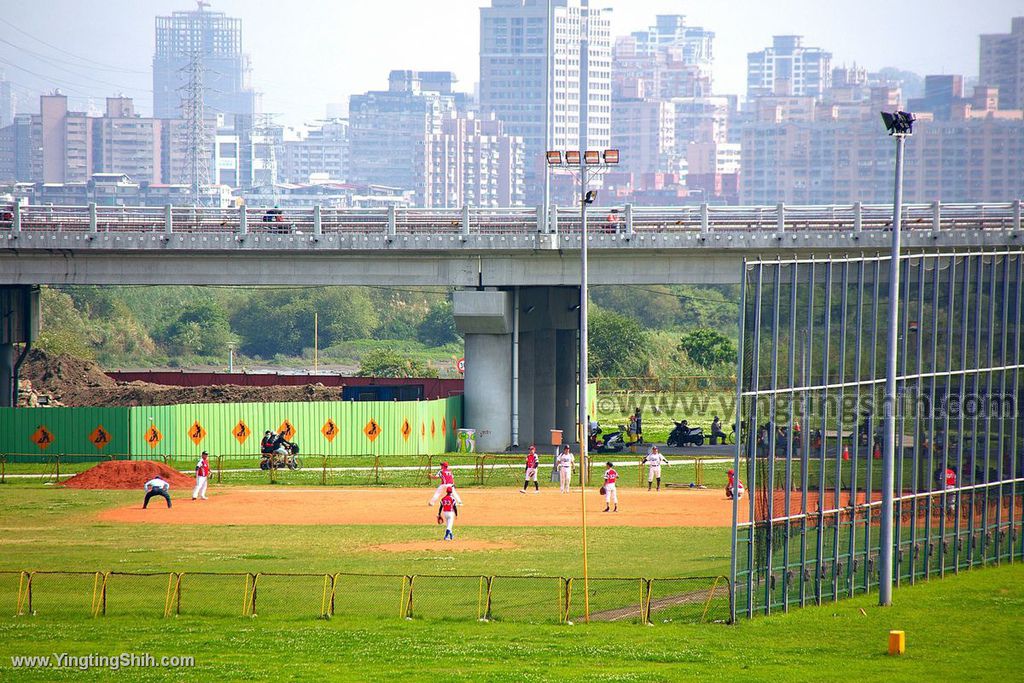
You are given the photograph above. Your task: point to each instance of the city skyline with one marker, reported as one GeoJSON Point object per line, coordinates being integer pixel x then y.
{"type": "Point", "coordinates": [300, 75]}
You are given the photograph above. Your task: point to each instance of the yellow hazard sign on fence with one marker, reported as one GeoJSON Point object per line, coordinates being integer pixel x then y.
{"type": "Point", "coordinates": [287, 430]}
{"type": "Point", "coordinates": [42, 438]}
{"type": "Point", "coordinates": [372, 430]}
{"type": "Point", "coordinates": [153, 436]}
{"type": "Point", "coordinates": [99, 438]}
{"type": "Point", "coordinates": [241, 432]}
{"type": "Point", "coordinates": [329, 430]}
{"type": "Point", "coordinates": [196, 433]}
{"type": "Point", "coordinates": [406, 429]}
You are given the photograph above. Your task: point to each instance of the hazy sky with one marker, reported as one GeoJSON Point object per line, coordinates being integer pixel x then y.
{"type": "Point", "coordinates": [306, 53]}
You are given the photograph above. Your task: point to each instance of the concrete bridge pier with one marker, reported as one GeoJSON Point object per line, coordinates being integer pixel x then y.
{"type": "Point", "coordinates": [548, 324]}
{"type": "Point", "coordinates": [19, 324]}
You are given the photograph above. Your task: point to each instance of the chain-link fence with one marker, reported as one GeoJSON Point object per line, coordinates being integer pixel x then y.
{"type": "Point", "coordinates": [531, 599]}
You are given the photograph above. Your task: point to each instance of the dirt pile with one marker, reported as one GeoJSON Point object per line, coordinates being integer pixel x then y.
{"type": "Point", "coordinates": [127, 474]}
{"type": "Point", "coordinates": [66, 380]}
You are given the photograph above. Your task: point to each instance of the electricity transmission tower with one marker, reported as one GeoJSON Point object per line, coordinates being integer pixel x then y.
{"type": "Point", "coordinates": [195, 134]}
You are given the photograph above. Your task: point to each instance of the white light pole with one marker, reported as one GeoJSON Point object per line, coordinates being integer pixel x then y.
{"type": "Point", "coordinates": [588, 165]}
{"type": "Point", "coordinates": [899, 126]}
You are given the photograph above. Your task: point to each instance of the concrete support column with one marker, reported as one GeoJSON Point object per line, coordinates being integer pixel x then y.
{"type": "Point", "coordinates": [488, 390]}
{"type": "Point", "coordinates": [527, 380]}
{"type": "Point", "coordinates": [485, 320]}
{"type": "Point", "coordinates": [566, 389]}
{"type": "Point", "coordinates": [8, 392]}
{"type": "Point", "coordinates": [544, 384]}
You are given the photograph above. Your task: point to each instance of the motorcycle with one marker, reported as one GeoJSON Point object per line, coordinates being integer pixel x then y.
{"type": "Point", "coordinates": [281, 460]}
{"type": "Point", "coordinates": [684, 435]}
{"type": "Point", "coordinates": [613, 442]}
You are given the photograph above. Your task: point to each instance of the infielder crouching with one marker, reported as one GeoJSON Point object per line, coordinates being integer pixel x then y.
{"type": "Point", "coordinates": [654, 461]}
{"type": "Point", "coordinates": [447, 485]}
{"type": "Point", "coordinates": [157, 487]}
{"type": "Point", "coordinates": [447, 512]}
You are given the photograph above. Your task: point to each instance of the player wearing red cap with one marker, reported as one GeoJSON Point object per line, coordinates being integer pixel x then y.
{"type": "Point", "coordinates": [610, 494]}
{"type": "Point", "coordinates": [734, 482]}
{"type": "Point", "coordinates": [447, 485]}
{"type": "Point", "coordinates": [447, 512]}
{"type": "Point", "coordinates": [531, 470]}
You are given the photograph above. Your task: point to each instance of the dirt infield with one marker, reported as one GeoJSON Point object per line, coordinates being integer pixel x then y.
{"type": "Point", "coordinates": [487, 507]}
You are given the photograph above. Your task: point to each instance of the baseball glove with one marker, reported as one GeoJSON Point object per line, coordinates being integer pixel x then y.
{"type": "Point", "coordinates": [603, 490]}
{"type": "Point", "coordinates": [439, 519]}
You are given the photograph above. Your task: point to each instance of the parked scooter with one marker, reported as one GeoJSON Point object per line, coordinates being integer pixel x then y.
{"type": "Point", "coordinates": [684, 435]}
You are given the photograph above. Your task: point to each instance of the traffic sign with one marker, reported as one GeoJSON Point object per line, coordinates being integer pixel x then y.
{"type": "Point", "coordinates": [461, 365]}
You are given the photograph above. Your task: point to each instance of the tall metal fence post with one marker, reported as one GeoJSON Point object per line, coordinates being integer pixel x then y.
{"type": "Point", "coordinates": [705, 219]}
{"type": "Point", "coordinates": [542, 226]}
{"type": "Point", "coordinates": [16, 218]}
{"type": "Point", "coordinates": [465, 221]}
{"type": "Point", "coordinates": [392, 222]}
{"type": "Point", "coordinates": [936, 216]}
{"type": "Point", "coordinates": [629, 221]}
{"type": "Point", "coordinates": [1016, 215]}
{"type": "Point", "coordinates": [780, 218]}
{"type": "Point", "coordinates": [93, 225]}
{"type": "Point", "coordinates": [168, 219]}
{"type": "Point", "coordinates": [317, 225]}
{"type": "Point", "coordinates": [554, 220]}
{"type": "Point", "coordinates": [243, 221]}
{"type": "Point", "coordinates": [858, 219]}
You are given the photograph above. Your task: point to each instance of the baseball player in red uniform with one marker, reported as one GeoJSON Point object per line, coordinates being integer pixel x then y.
{"type": "Point", "coordinates": [734, 481]}
{"type": "Point", "coordinates": [202, 476]}
{"type": "Point", "coordinates": [610, 494]}
{"type": "Point", "coordinates": [447, 512]}
{"type": "Point", "coordinates": [447, 485]}
{"type": "Point", "coordinates": [531, 470]}
{"type": "Point", "coordinates": [950, 486]}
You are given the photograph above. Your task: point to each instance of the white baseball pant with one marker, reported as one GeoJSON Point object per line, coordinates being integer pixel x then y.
{"type": "Point", "coordinates": [610, 494]}
{"type": "Point", "coordinates": [564, 476]}
{"type": "Point", "coordinates": [653, 472]}
{"type": "Point", "coordinates": [200, 489]}
{"type": "Point", "coordinates": [443, 489]}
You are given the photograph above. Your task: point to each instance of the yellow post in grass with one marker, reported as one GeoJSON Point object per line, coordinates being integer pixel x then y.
{"type": "Point", "coordinates": [897, 642]}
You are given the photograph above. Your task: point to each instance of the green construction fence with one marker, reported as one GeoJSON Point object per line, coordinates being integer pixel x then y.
{"type": "Point", "coordinates": [326, 427]}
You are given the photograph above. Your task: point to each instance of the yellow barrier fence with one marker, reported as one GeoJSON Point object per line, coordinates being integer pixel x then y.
{"type": "Point", "coordinates": [534, 599]}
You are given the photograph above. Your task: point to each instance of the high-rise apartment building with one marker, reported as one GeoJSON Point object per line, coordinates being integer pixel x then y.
{"type": "Point", "coordinates": [1002, 64]}
{"type": "Point", "coordinates": [7, 102]}
{"type": "Point", "coordinates": [473, 162]}
{"type": "Point", "coordinates": [388, 128]}
{"type": "Point", "coordinates": [517, 37]}
{"type": "Point", "coordinates": [671, 58]}
{"type": "Point", "coordinates": [788, 69]}
{"type": "Point", "coordinates": [319, 151]}
{"type": "Point", "coordinates": [65, 140]}
{"type": "Point", "coordinates": [644, 132]}
{"type": "Point", "coordinates": [217, 40]}
{"type": "Point", "coordinates": [123, 142]}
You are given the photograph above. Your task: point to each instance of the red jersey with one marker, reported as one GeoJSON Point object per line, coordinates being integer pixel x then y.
{"type": "Point", "coordinates": [531, 461]}
{"type": "Point", "coordinates": [447, 504]}
{"type": "Point", "coordinates": [203, 468]}
{"type": "Point", "coordinates": [731, 479]}
{"type": "Point", "coordinates": [950, 477]}
{"type": "Point", "coordinates": [610, 476]}
{"type": "Point", "coordinates": [446, 477]}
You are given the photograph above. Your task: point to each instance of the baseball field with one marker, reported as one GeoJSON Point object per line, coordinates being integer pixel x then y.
{"type": "Point", "coordinates": [304, 582]}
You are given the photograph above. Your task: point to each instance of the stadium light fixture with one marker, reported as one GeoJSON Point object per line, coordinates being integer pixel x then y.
{"type": "Point", "coordinates": [554, 158]}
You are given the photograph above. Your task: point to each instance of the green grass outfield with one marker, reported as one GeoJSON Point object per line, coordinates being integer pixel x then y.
{"type": "Point", "coordinates": [962, 627]}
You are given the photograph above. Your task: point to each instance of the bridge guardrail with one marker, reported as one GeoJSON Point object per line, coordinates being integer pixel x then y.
{"type": "Point", "coordinates": [623, 220]}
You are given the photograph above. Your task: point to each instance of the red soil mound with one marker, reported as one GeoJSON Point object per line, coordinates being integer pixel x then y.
{"type": "Point", "coordinates": [127, 474]}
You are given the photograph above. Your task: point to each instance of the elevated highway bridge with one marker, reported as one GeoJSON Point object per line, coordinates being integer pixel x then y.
{"type": "Point", "coordinates": [516, 271]}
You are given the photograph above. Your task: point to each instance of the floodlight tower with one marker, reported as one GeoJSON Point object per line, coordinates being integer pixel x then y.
{"type": "Point", "coordinates": [584, 165]}
{"type": "Point", "coordinates": [900, 126]}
